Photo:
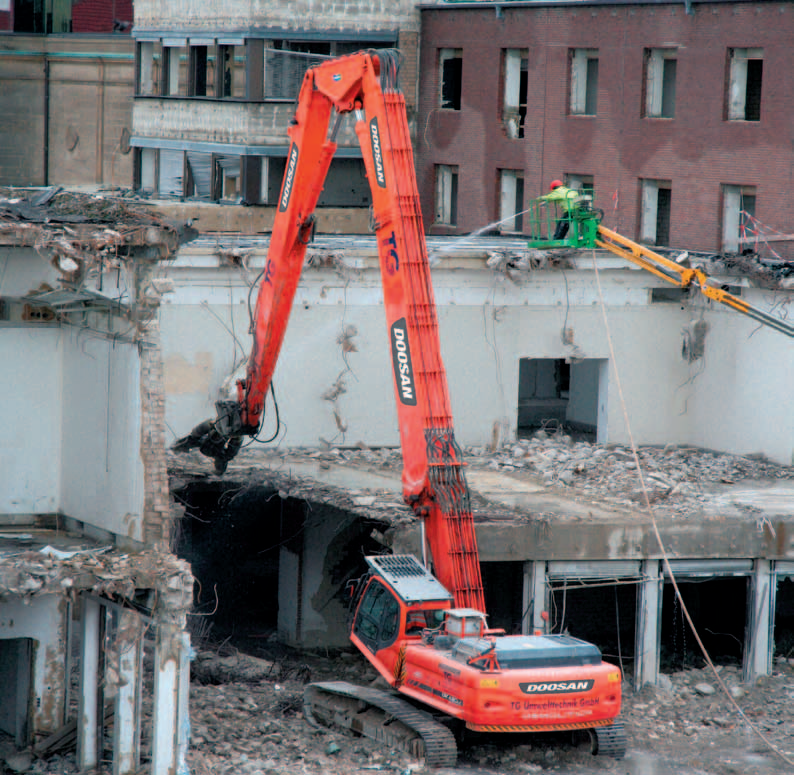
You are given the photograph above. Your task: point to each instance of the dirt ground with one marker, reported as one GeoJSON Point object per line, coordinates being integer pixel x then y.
{"type": "Point", "coordinates": [686, 726]}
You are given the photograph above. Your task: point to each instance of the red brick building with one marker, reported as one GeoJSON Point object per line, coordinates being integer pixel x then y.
{"type": "Point", "coordinates": [676, 115]}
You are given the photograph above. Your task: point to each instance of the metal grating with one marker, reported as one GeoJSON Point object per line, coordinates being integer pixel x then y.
{"type": "Point", "coordinates": [408, 577]}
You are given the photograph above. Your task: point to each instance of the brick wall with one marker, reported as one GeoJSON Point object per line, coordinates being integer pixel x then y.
{"type": "Point", "coordinates": [697, 150]}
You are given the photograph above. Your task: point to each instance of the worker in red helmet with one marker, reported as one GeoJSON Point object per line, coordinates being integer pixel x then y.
{"type": "Point", "coordinates": [563, 199]}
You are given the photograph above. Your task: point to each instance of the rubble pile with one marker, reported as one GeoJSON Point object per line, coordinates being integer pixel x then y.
{"type": "Point", "coordinates": [677, 478]}
{"type": "Point", "coordinates": [103, 571]}
{"type": "Point", "coordinates": [687, 723]}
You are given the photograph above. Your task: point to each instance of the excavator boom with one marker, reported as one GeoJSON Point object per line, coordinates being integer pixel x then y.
{"type": "Point", "coordinates": [424, 632]}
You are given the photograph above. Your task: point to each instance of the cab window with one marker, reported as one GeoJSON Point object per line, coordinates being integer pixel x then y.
{"type": "Point", "coordinates": [377, 621]}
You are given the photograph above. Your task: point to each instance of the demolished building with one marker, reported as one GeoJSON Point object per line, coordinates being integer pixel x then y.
{"type": "Point", "coordinates": [93, 604]}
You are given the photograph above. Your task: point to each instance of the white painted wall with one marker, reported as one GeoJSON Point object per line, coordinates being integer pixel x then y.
{"type": "Point", "coordinates": [102, 470]}
{"type": "Point", "coordinates": [487, 324]}
{"type": "Point", "coordinates": [70, 429]}
{"type": "Point", "coordinates": [30, 431]}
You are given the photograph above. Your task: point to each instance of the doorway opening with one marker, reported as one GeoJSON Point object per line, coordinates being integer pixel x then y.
{"type": "Point", "coordinates": [562, 394]}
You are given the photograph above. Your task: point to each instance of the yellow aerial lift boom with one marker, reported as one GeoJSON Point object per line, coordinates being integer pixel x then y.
{"type": "Point", "coordinates": [585, 231]}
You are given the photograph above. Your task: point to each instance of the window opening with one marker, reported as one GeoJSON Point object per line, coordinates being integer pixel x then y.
{"type": "Point", "coordinates": [736, 200]}
{"type": "Point", "coordinates": [202, 71]}
{"type": "Point", "coordinates": [746, 67]}
{"type": "Point", "coordinates": [718, 607]}
{"type": "Point", "coordinates": [584, 81]}
{"type": "Point", "coordinates": [554, 393]}
{"type": "Point", "coordinates": [446, 195]}
{"type": "Point", "coordinates": [511, 200]}
{"type": "Point", "coordinates": [599, 612]}
{"type": "Point", "coordinates": [174, 80]}
{"type": "Point", "coordinates": [171, 173]}
{"type": "Point", "coordinates": [147, 161]}
{"type": "Point", "coordinates": [660, 82]}
{"type": "Point", "coordinates": [149, 68]}
{"type": "Point", "coordinates": [515, 85]}
{"type": "Point", "coordinates": [231, 71]}
{"type": "Point", "coordinates": [451, 66]}
{"type": "Point", "coordinates": [655, 212]}
{"type": "Point", "coordinates": [583, 183]}
{"type": "Point", "coordinates": [227, 178]}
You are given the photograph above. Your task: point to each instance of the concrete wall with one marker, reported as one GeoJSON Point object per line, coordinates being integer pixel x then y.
{"type": "Point", "coordinates": [237, 14]}
{"type": "Point", "coordinates": [222, 122]}
{"type": "Point", "coordinates": [487, 324]}
{"type": "Point", "coordinates": [67, 101]}
{"type": "Point", "coordinates": [697, 150]}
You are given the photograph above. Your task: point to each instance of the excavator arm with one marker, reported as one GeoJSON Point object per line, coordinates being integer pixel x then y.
{"type": "Point", "coordinates": [684, 277]}
{"type": "Point", "coordinates": [434, 485]}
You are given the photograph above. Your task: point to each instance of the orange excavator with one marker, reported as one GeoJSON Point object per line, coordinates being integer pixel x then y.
{"type": "Point", "coordinates": [425, 633]}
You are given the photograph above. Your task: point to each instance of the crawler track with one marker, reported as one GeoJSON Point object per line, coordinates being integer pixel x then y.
{"type": "Point", "coordinates": [381, 716]}
{"type": "Point", "coordinates": [611, 741]}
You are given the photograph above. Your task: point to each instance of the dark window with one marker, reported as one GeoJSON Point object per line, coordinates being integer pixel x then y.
{"type": "Point", "coordinates": [451, 71]}
{"type": "Point", "coordinates": [198, 71]}
{"type": "Point", "coordinates": [591, 95]}
{"type": "Point", "coordinates": [522, 97]}
{"type": "Point", "coordinates": [668, 88]}
{"type": "Point", "coordinates": [663, 216]}
{"type": "Point", "coordinates": [752, 103]}
{"type": "Point", "coordinates": [377, 620]}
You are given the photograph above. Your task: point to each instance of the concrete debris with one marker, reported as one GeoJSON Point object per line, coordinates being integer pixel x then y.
{"type": "Point", "coordinates": [680, 481]}
{"type": "Point", "coordinates": [103, 572]}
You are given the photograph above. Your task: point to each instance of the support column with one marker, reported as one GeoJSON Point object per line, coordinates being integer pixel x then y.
{"type": "Point", "coordinates": [88, 728]}
{"type": "Point", "coordinates": [127, 725]}
{"type": "Point", "coordinates": [535, 598]}
{"type": "Point", "coordinates": [648, 626]}
{"type": "Point", "coordinates": [758, 639]}
{"type": "Point", "coordinates": [183, 732]}
{"type": "Point", "coordinates": [169, 661]}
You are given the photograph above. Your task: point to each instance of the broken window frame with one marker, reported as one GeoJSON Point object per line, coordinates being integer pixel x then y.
{"type": "Point", "coordinates": [446, 205]}
{"type": "Point", "coordinates": [583, 77]}
{"type": "Point", "coordinates": [450, 77]}
{"type": "Point", "coordinates": [659, 81]}
{"type": "Point", "coordinates": [511, 200]}
{"type": "Point", "coordinates": [655, 220]}
{"type": "Point", "coordinates": [515, 85]}
{"type": "Point", "coordinates": [744, 84]}
{"type": "Point", "coordinates": [736, 199]}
